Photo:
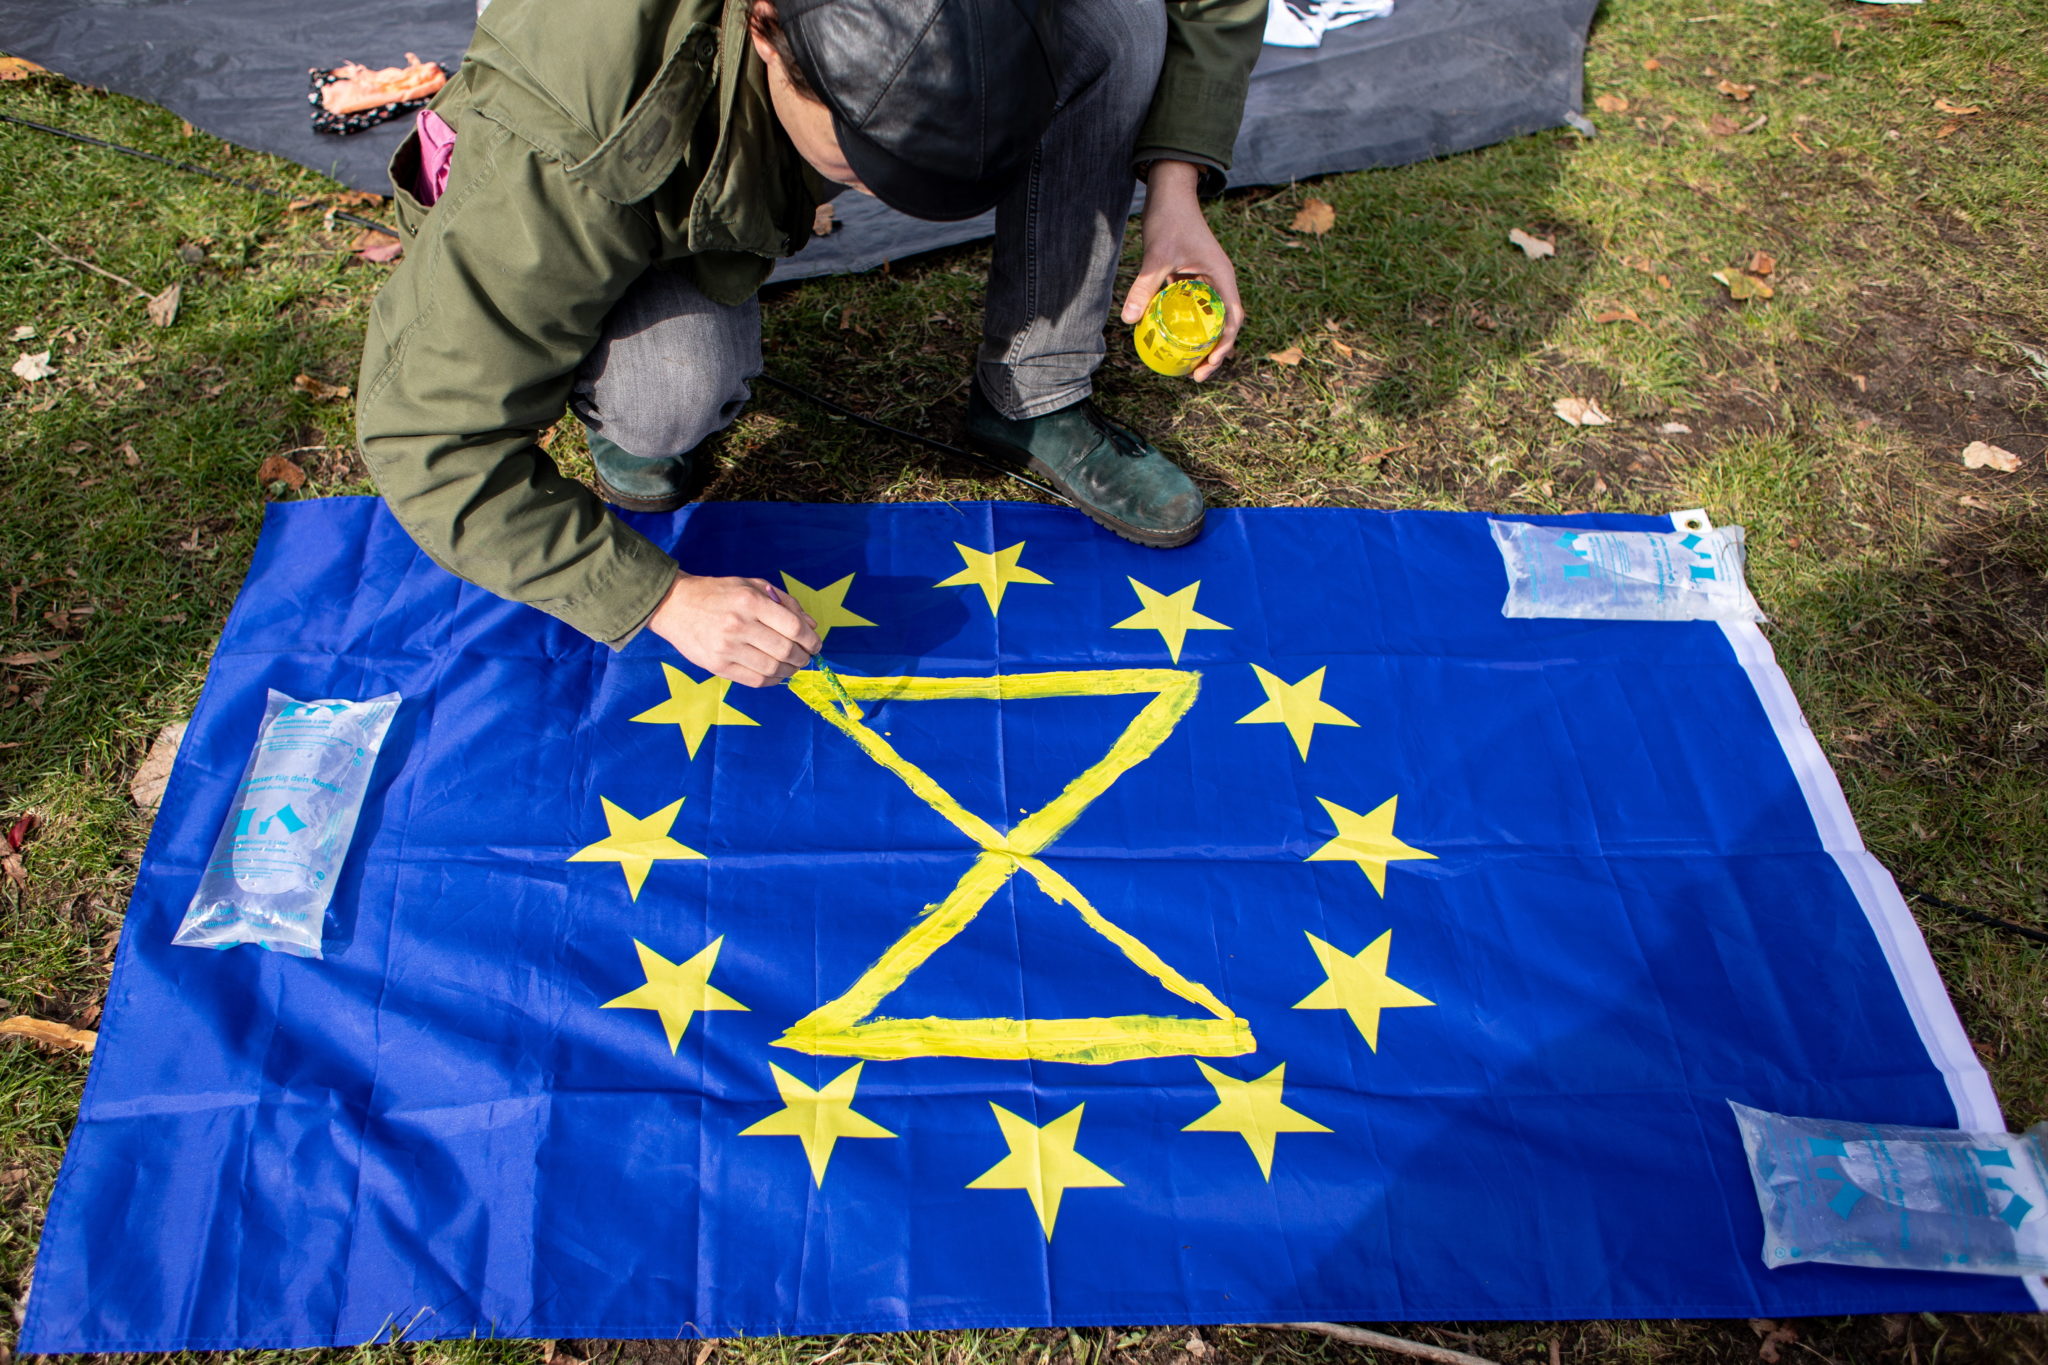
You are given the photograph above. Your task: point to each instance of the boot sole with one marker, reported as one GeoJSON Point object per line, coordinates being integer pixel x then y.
{"type": "Point", "coordinates": [1151, 540]}
{"type": "Point", "coordinates": [672, 503]}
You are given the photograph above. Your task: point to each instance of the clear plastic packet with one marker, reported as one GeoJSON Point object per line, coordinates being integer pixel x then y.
{"type": "Point", "coordinates": [1904, 1198]}
{"type": "Point", "coordinates": [1683, 575]}
{"type": "Point", "coordinates": [274, 865]}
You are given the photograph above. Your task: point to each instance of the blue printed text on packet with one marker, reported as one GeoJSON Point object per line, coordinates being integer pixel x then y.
{"type": "Point", "coordinates": [1559, 571]}
{"type": "Point", "coordinates": [1903, 1198]}
{"type": "Point", "coordinates": [274, 863]}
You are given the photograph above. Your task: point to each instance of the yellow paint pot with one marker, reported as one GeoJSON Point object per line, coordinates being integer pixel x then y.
{"type": "Point", "coordinates": [1180, 328]}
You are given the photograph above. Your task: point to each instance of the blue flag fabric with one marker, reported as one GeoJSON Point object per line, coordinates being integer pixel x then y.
{"type": "Point", "coordinates": [1267, 930]}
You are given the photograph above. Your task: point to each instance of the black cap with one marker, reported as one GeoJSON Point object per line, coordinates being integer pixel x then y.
{"type": "Point", "coordinates": [938, 104]}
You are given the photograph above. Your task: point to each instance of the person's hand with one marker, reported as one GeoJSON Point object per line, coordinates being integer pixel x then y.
{"type": "Point", "coordinates": [1178, 243]}
{"type": "Point", "coordinates": [737, 628]}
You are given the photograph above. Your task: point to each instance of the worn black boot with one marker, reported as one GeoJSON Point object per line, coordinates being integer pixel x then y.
{"type": "Point", "coordinates": [1113, 474]}
{"type": "Point", "coordinates": [643, 485]}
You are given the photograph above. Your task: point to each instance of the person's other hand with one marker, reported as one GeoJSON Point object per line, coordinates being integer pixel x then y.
{"type": "Point", "coordinates": [1178, 243]}
{"type": "Point", "coordinates": [737, 628]}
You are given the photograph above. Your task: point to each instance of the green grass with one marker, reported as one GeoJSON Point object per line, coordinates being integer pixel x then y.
{"type": "Point", "coordinates": [1909, 596]}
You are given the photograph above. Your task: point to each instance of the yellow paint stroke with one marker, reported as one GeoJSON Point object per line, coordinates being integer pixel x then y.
{"type": "Point", "coordinates": [839, 693]}
{"type": "Point", "coordinates": [836, 1028]}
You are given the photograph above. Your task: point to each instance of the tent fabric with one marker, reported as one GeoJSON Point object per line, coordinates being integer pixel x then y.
{"type": "Point", "coordinates": [1268, 931]}
{"type": "Point", "coordinates": [1432, 78]}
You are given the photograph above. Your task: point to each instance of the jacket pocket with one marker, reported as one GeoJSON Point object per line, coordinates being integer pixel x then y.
{"type": "Point", "coordinates": [404, 169]}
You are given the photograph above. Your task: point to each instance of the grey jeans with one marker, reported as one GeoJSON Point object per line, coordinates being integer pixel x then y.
{"type": "Point", "coordinates": [671, 367]}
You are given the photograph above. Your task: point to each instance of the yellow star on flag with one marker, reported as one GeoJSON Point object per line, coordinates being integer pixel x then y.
{"type": "Point", "coordinates": [636, 844]}
{"type": "Point", "coordinates": [1298, 706]}
{"type": "Point", "coordinates": [1254, 1111]}
{"type": "Point", "coordinates": [818, 1118]}
{"type": "Point", "coordinates": [694, 707]}
{"type": "Point", "coordinates": [1042, 1163]}
{"type": "Point", "coordinates": [1360, 986]}
{"type": "Point", "coordinates": [676, 990]}
{"type": "Point", "coordinates": [992, 573]}
{"type": "Point", "coordinates": [825, 606]}
{"type": "Point", "coordinates": [1172, 615]}
{"type": "Point", "coordinates": [1367, 840]}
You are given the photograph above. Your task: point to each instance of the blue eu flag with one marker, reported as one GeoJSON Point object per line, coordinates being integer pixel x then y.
{"type": "Point", "coordinates": [1266, 930]}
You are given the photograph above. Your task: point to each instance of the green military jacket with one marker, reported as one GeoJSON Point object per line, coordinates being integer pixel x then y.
{"type": "Point", "coordinates": [595, 140]}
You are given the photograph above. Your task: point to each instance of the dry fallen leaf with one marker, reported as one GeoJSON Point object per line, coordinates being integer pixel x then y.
{"type": "Point", "coordinates": [1675, 429]}
{"type": "Point", "coordinates": [316, 390]}
{"type": "Point", "coordinates": [1580, 412]}
{"type": "Point", "coordinates": [277, 469]}
{"type": "Point", "coordinates": [379, 248]}
{"type": "Point", "coordinates": [1341, 349]}
{"type": "Point", "coordinates": [1720, 125]}
{"type": "Point", "coordinates": [21, 333]}
{"type": "Point", "coordinates": [1947, 129]}
{"type": "Point", "coordinates": [1755, 125]}
{"type": "Point", "coordinates": [1616, 315]}
{"type": "Point", "coordinates": [1652, 64]}
{"type": "Point", "coordinates": [147, 786]}
{"type": "Point", "coordinates": [44, 1031]}
{"type": "Point", "coordinates": [1984, 455]}
{"type": "Point", "coordinates": [1197, 1347]}
{"type": "Point", "coordinates": [163, 309]}
{"type": "Point", "coordinates": [37, 656]}
{"type": "Point", "coordinates": [1535, 248]}
{"type": "Point", "coordinates": [358, 199]}
{"type": "Point", "coordinates": [1742, 286]}
{"type": "Point", "coordinates": [1773, 1336]}
{"type": "Point", "coordinates": [1967, 500]}
{"type": "Point", "coordinates": [1761, 263]}
{"type": "Point", "coordinates": [1290, 356]}
{"type": "Point", "coordinates": [34, 367]}
{"type": "Point", "coordinates": [822, 221]}
{"type": "Point", "coordinates": [1612, 104]}
{"type": "Point", "coordinates": [17, 68]}
{"type": "Point", "coordinates": [1949, 107]}
{"type": "Point", "coordinates": [1316, 216]}
{"type": "Point", "coordinates": [1734, 90]}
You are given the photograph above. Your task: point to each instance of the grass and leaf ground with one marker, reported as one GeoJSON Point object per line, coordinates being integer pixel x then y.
{"type": "Point", "coordinates": [1889, 160]}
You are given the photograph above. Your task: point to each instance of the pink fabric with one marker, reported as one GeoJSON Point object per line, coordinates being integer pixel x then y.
{"type": "Point", "coordinates": [437, 147]}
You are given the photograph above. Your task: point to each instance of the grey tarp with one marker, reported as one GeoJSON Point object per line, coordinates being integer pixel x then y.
{"type": "Point", "coordinates": [1436, 76]}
